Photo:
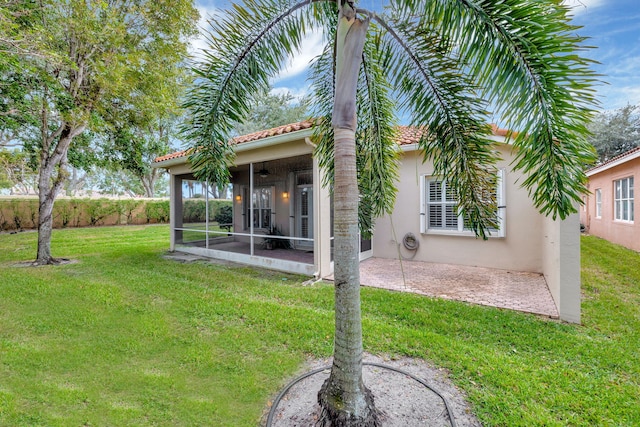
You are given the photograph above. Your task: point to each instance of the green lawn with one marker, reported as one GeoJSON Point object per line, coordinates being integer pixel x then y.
{"type": "Point", "coordinates": [125, 337]}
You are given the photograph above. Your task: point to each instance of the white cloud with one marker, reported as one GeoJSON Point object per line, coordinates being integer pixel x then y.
{"type": "Point", "coordinates": [312, 46]}
{"type": "Point", "coordinates": [297, 93]}
{"type": "Point", "coordinates": [583, 6]}
{"type": "Point", "coordinates": [618, 97]}
{"type": "Point", "coordinates": [198, 42]}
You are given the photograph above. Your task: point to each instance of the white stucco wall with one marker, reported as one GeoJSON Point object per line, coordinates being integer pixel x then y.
{"type": "Point", "coordinates": [531, 243]}
{"type": "Point", "coordinates": [520, 249]}
{"type": "Point", "coordinates": [561, 264]}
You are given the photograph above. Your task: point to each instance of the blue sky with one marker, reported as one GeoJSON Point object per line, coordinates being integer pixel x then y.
{"type": "Point", "coordinates": [614, 28]}
{"type": "Point", "coordinates": [612, 25]}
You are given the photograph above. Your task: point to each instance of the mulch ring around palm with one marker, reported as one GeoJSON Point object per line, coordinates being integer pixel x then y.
{"type": "Point", "coordinates": [408, 392]}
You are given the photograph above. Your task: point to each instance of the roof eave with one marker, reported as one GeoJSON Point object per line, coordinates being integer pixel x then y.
{"type": "Point", "coordinates": [245, 146]}
{"type": "Point", "coordinates": [170, 162]}
{"type": "Point", "coordinates": [612, 164]}
{"type": "Point", "coordinates": [274, 140]}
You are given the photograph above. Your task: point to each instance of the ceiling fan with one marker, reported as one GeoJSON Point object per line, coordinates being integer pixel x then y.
{"type": "Point", "coordinates": [263, 172]}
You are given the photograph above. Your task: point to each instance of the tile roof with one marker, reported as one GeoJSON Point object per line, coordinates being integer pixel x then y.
{"type": "Point", "coordinates": [406, 135]}
{"type": "Point", "coordinates": [170, 156]}
{"type": "Point", "coordinates": [255, 136]}
{"type": "Point", "coordinates": [616, 158]}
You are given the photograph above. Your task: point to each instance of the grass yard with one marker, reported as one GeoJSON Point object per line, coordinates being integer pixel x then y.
{"type": "Point", "coordinates": [124, 337]}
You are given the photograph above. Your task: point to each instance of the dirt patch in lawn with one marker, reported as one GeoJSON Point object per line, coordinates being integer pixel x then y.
{"type": "Point", "coordinates": [404, 401]}
{"type": "Point", "coordinates": [58, 261]}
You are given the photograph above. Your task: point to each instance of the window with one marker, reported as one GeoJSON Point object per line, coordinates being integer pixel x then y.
{"type": "Point", "coordinates": [440, 206]}
{"type": "Point", "coordinates": [623, 199]}
{"type": "Point", "coordinates": [598, 203]}
{"type": "Point", "coordinates": [261, 202]}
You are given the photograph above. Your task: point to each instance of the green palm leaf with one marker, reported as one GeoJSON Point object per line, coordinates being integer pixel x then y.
{"type": "Point", "coordinates": [442, 101]}
{"type": "Point", "coordinates": [246, 47]}
{"type": "Point", "coordinates": [443, 64]}
{"type": "Point", "coordinates": [521, 54]}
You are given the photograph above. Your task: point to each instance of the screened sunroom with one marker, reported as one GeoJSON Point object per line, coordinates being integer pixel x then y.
{"type": "Point", "coordinates": [280, 215]}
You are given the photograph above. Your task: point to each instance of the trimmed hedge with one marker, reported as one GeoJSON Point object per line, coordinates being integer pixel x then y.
{"type": "Point", "coordinates": [195, 210]}
{"type": "Point", "coordinates": [22, 213]}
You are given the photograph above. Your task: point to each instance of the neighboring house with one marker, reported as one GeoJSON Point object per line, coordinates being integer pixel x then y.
{"type": "Point", "coordinates": [609, 208]}
{"type": "Point", "coordinates": [276, 183]}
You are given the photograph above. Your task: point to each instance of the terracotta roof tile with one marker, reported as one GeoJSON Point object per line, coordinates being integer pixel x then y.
{"type": "Point", "coordinates": [280, 130]}
{"type": "Point", "coordinates": [615, 158]}
{"type": "Point", "coordinates": [409, 135]}
{"type": "Point", "coordinates": [406, 135]}
{"type": "Point", "coordinates": [170, 156]}
{"type": "Point", "coordinates": [255, 136]}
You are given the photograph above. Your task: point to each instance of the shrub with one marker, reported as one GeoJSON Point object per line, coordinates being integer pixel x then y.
{"type": "Point", "coordinates": [224, 216]}
{"type": "Point", "coordinates": [4, 225]}
{"type": "Point", "coordinates": [194, 210]}
{"type": "Point", "coordinates": [126, 208]}
{"type": "Point", "coordinates": [157, 211]}
{"type": "Point", "coordinates": [99, 209]}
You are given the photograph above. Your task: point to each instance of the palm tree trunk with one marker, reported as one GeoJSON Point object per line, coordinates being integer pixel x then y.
{"type": "Point", "coordinates": [344, 399]}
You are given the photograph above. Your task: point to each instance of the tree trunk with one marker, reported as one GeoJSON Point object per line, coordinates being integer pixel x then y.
{"type": "Point", "coordinates": [51, 177]}
{"type": "Point", "coordinates": [344, 399]}
{"type": "Point", "coordinates": [47, 191]}
{"type": "Point", "coordinates": [45, 221]}
{"type": "Point", "coordinates": [148, 184]}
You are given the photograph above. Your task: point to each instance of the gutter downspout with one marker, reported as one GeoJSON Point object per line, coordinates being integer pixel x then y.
{"type": "Point", "coordinates": [316, 221]}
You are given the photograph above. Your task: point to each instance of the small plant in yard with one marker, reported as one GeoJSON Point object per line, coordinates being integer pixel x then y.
{"type": "Point", "coordinates": [126, 337]}
{"type": "Point", "coordinates": [126, 208]}
{"type": "Point", "coordinates": [99, 209]}
{"type": "Point", "coordinates": [65, 209]}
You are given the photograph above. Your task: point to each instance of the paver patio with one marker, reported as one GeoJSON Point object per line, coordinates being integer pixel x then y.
{"type": "Point", "coordinates": [514, 290]}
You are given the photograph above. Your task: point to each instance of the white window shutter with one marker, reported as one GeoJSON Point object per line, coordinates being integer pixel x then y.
{"type": "Point", "coordinates": [423, 202]}
{"type": "Point", "coordinates": [502, 204]}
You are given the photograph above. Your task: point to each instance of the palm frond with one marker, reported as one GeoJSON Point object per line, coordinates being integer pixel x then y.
{"type": "Point", "coordinates": [522, 54]}
{"type": "Point", "coordinates": [246, 47]}
{"type": "Point", "coordinates": [322, 77]}
{"type": "Point", "coordinates": [432, 88]}
{"type": "Point", "coordinates": [376, 143]}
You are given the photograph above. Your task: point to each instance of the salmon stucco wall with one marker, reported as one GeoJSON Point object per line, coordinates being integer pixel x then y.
{"type": "Point", "coordinates": [624, 233]}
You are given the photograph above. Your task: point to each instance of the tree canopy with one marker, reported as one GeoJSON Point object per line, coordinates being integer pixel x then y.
{"type": "Point", "coordinates": [615, 132]}
{"type": "Point", "coordinates": [269, 110]}
{"type": "Point", "coordinates": [77, 65]}
{"type": "Point", "coordinates": [518, 61]}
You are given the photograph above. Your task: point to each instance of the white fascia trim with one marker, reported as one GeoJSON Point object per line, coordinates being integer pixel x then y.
{"type": "Point", "coordinates": [613, 164]}
{"type": "Point", "coordinates": [409, 147]}
{"type": "Point", "coordinates": [274, 140]}
{"type": "Point", "coordinates": [246, 146]}
{"type": "Point", "coordinates": [171, 162]}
